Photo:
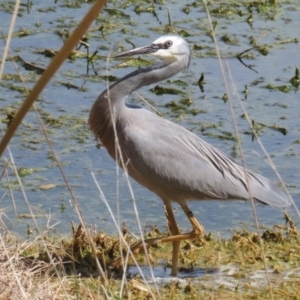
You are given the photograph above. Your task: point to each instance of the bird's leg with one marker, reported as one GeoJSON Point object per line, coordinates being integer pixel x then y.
{"type": "Point", "coordinates": [197, 231]}
{"type": "Point", "coordinates": [175, 231]}
{"type": "Point", "coordinates": [176, 244]}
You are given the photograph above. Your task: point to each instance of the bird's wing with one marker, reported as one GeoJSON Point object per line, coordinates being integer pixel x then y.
{"type": "Point", "coordinates": [166, 156]}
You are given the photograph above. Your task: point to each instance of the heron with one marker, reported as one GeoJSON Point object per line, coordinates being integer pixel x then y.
{"type": "Point", "coordinates": [166, 158]}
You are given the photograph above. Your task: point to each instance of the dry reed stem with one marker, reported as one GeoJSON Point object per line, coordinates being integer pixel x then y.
{"type": "Point", "coordinates": [20, 279]}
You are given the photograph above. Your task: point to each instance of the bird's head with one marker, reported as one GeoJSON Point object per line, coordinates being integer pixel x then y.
{"type": "Point", "coordinates": [168, 47]}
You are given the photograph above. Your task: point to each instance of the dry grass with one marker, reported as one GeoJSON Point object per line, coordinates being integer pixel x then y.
{"type": "Point", "coordinates": [23, 277]}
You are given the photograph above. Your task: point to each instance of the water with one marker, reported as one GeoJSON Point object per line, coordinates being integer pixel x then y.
{"type": "Point", "coordinates": [275, 27]}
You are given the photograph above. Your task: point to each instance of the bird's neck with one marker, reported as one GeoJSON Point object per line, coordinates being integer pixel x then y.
{"type": "Point", "coordinates": [110, 105]}
{"type": "Point", "coordinates": [142, 77]}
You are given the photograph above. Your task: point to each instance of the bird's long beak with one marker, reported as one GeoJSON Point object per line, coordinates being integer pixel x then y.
{"type": "Point", "coordinates": [141, 50]}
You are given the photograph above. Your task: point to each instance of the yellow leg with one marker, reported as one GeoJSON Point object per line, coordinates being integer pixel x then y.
{"type": "Point", "coordinates": [197, 231]}
{"type": "Point", "coordinates": [175, 231]}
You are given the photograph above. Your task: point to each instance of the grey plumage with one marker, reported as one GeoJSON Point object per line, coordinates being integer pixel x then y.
{"type": "Point", "coordinates": [164, 157]}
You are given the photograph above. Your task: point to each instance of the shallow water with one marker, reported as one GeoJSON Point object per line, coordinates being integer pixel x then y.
{"type": "Point", "coordinates": [275, 27]}
{"type": "Point", "coordinates": [162, 274]}
{"type": "Point", "coordinates": [212, 278]}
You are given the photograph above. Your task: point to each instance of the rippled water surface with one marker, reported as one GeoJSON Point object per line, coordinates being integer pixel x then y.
{"type": "Point", "coordinates": [272, 102]}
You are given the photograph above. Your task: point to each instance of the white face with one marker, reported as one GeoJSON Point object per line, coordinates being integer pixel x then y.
{"type": "Point", "coordinates": [173, 46]}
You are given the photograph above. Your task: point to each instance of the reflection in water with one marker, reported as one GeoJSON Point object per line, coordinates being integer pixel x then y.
{"type": "Point", "coordinates": [162, 274]}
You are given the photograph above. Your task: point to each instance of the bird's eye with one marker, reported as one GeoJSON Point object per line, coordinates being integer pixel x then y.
{"type": "Point", "coordinates": [168, 44]}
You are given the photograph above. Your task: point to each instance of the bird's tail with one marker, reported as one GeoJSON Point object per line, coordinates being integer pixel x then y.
{"type": "Point", "coordinates": [271, 194]}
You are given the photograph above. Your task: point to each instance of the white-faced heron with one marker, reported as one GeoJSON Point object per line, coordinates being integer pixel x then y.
{"type": "Point", "coordinates": [166, 158]}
